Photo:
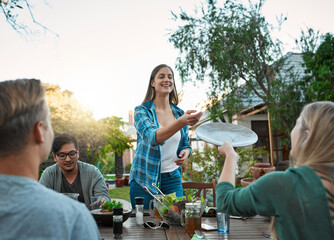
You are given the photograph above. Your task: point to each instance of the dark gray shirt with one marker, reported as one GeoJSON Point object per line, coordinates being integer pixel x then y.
{"type": "Point", "coordinates": [75, 187]}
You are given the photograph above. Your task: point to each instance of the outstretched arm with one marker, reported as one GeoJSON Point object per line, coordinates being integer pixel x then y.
{"type": "Point", "coordinates": [162, 134]}
{"type": "Point", "coordinates": [228, 173]}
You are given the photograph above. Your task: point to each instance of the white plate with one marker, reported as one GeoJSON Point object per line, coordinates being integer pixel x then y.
{"type": "Point", "coordinates": [217, 133]}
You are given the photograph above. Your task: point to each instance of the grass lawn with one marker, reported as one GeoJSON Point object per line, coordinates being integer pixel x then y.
{"type": "Point", "coordinates": [122, 193]}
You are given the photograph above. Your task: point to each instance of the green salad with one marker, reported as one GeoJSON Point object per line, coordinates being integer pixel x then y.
{"type": "Point", "coordinates": [171, 207]}
{"type": "Point", "coordinates": [109, 206]}
{"type": "Point", "coordinates": [177, 204]}
{"type": "Point", "coordinates": [172, 198]}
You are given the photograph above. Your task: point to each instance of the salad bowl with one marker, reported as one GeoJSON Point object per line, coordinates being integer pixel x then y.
{"type": "Point", "coordinates": [170, 211]}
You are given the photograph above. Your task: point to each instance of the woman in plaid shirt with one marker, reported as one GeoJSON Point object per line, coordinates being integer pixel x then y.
{"type": "Point", "coordinates": [162, 138]}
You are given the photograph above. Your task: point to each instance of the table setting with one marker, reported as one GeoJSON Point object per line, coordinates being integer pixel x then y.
{"type": "Point", "coordinates": [189, 217]}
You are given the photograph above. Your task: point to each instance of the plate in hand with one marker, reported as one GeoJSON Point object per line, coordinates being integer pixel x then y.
{"type": "Point", "coordinates": [217, 133]}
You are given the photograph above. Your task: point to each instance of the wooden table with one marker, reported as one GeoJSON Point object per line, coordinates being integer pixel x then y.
{"type": "Point", "coordinates": [251, 228]}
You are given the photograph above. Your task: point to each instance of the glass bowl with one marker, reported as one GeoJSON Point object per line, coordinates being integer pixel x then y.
{"type": "Point", "coordinates": [171, 212]}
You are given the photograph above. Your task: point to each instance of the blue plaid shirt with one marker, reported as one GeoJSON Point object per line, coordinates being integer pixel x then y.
{"type": "Point", "coordinates": [146, 164]}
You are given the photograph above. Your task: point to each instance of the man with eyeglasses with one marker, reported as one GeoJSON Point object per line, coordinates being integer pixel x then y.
{"type": "Point", "coordinates": [28, 210]}
{"type": "Point", "coordinates": [69, 175]}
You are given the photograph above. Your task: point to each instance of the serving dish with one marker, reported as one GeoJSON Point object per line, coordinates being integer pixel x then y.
{"type": "Point", "coordinates": [217, 133]}
{"type": "Point", "coordinates": [106, 218]}
{"type": "Point", "coordinates": [171, 212]}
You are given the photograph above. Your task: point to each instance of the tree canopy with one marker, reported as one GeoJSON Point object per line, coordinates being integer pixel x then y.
{"type": "Point", "coordinates": [117, 141]}
{"type": "Point", "coordinates": [232, 47]}
{"type": "Point", "coordinates": [68, 116]}
{"type": "Point", "coordinates": [97, 139]}
{"type": "Point", "coordinates": [319, 63]}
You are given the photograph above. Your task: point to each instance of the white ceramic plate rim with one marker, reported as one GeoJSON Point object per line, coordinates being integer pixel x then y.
{"type": "Point", "coordinates": [222, 132]}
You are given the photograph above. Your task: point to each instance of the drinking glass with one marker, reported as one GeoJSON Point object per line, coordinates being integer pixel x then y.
{"type": "Point", "coordinates": [223, 222]}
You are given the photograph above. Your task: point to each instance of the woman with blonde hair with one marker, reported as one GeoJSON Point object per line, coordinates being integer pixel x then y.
{"type": "Point", "coordinates": [300, 199]}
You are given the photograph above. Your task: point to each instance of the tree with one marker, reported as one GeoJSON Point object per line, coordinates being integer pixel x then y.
{"type": "Point", "coordinates": [319, 62]}
{"type": "Point", "coordinates": [232, 47]}
{"type": "Point", "coordinates": [12, 9]}
{"type": "Point", "coordinates": [97, 139]}
{"type": "Point", "coordinates": [68, 116]}
{"type": "Point", "coordinates": [117, 141]}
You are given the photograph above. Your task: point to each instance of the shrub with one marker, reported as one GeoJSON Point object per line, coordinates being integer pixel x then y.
{"type": "Point", "coordinates": [105, 163]}
{"type": "Point", "coordinates": [127, 168]}
{"type": "Point", "coordinates": [208, 164]}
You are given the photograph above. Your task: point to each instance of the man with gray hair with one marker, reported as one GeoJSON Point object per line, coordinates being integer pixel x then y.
{"type": "Point", "coordinates": [28, 209]}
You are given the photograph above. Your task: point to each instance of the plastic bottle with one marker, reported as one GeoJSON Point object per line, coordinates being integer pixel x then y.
{"type": "Point", "coordinates": [118, 222]}
{"type": "Point", "coordinates": [139, 210]}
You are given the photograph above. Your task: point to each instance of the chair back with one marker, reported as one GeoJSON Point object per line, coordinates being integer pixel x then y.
{"type": "Point", "coordinates": [202, 187]}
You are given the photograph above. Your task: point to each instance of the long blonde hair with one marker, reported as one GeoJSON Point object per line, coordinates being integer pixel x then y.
{"type": "Point", "coordinates": [315, 149]}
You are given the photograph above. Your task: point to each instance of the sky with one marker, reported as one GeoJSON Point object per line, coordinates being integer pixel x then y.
{"type": "Point", "coordinates": [106, 49]}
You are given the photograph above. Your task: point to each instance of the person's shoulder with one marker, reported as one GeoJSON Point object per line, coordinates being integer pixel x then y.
{"type": "Point", "coordinates": [52, 167]}
{"type": "Point", "coordinates": [144, 106]}
{"type": "Point", "coordinates": [298, 172]}
{"type": "Point", "coordinates": [47, 207]}
{"type": "Point", "coordinates": [275, 178]}
{"type": "Point", "coordinates": [288, 176]}
{"type": "Point", "coordinates": [306, 173]}
{"type": "Point", "coordinates": [74, 215]}
{"type": "Point", "coordinates": [57, 203]}
{"type": "Point", "coordinates": [144, 110]}
{"type": "Point", "coordinates": [51, 170]}
{"type": "Point", "coordinates": [86, 166]}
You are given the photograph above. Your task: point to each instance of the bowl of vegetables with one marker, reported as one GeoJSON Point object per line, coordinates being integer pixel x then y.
{"type": "Point", "coordinates": [170, 207]}
{"type": "Point", "coordinates": [104, 215]}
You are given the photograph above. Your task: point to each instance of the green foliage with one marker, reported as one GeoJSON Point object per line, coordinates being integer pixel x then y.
{"type": "Point", "coordinates": [232, 47]}
{"type": "Point", "coordinates": [248, 158]}
{"type": "Point", "coordinates": [228, 44]}
{"type": "Point", "coordinates": [128, 167]}
{"type": "Point", "coordinates": [40, 173]}
{"type": "Point", "coordinates": [208, 164]}
{"type": "Point", "coordinates": [117, 141]}
{"type": "Point", "coordinates": [68, 116]}
{"type": "Point", "coordinates": [109, 206]}
{"type": "Point", "coordinates": [319, 65]}
{"type": "Point", "coordinates": [105, 162]}
{"type": "Point", "coordinates": [100, 142]}
{"type": "Point", "coordinates": [203, 166]}
{"type": "Point", "coordinates": [289, 104]}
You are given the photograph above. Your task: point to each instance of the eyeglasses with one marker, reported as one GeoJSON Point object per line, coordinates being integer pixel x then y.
{"type": "Point", "coordinates": [71, 154]}
{"type": "Point", "coordinates": [152, 225]}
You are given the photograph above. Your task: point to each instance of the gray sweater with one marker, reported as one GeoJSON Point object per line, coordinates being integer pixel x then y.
{"type": "Point", "coordinates": [92, 181]}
